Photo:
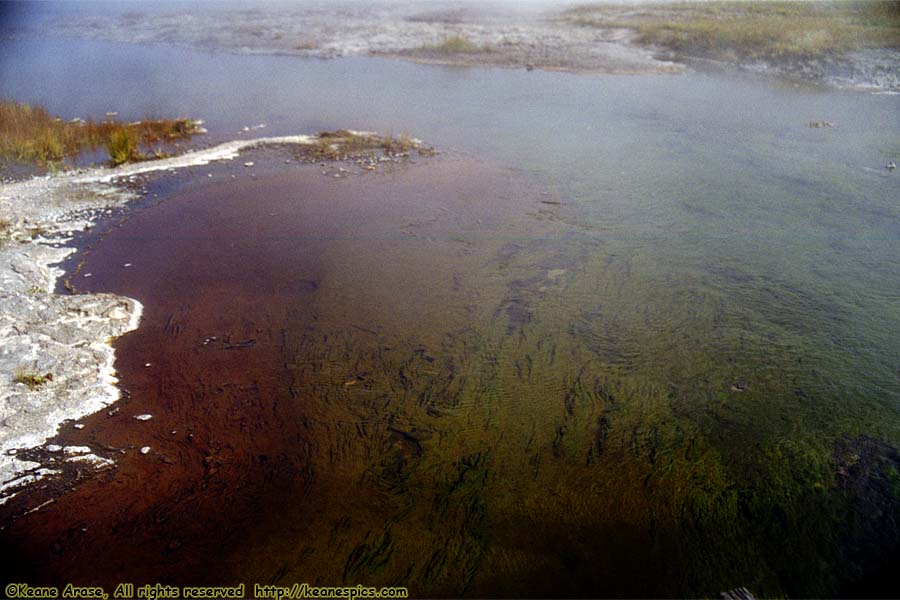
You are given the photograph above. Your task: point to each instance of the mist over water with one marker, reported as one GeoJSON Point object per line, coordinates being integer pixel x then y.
{"type": "Point", "coordinates": [19, 14]}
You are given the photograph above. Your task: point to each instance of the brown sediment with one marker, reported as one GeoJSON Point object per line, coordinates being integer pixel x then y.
{"type": "Point", "coordinates": [263, 300]}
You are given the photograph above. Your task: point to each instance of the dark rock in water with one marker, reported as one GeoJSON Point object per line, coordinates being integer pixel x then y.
{"type": "Point", "coordinates": [861, 464]}
{"type": "Point", "coordinates": [307, 285]}
{"type": "Point", "coordinates": [240, 345]}
{"type": "Point", "coordinates": [867, 471]}
{"type": "Point", "coordinates": [601, 434]}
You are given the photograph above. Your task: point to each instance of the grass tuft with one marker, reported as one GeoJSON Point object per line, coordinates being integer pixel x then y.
{"type": "Point", "coordinates": [123, 147]}
{"type": "Point", "coordinates": [455, 44]}
{"type": "Point", "coordinates": [31, 379]}
{"type": "Point", "coordinates": [5, 230]}
{"type": "Point", "coordinates": [398, 145]}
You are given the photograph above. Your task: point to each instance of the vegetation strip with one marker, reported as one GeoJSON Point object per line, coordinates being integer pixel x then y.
{"type": "Point", "coordinates": [752, 30]}
{"type": "Point", "coordinates": [30, 134]}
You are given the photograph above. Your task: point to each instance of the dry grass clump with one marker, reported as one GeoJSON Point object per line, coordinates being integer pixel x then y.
{"type": "Point", "coordinates": [5, 230]}
{"type": "Point", "coordinates": [749, 29]}
{"type": "Point", "coordinates": [29, 134]}
{"type": "Point", "coordinates": [455, 44]}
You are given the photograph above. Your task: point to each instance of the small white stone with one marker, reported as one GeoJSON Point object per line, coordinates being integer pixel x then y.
{"type": "Point", "coordinates": [126, 265]}
{"type": "Point", "coordinates": [87, 274]}
{"type": "Point", "coordinates": [54, 448]}
{"type": "Point", "coordinates": [147, 364]}
{"type": "Point", "coordinates": [144, 417]}
{"type": "Point", "coordinates": [248, 164]}
{"type": "Point", "coordinates": [145, 450]}
{"type": "Point", "coordinates": [78, 425]}
{"type": "Point", "coordinates": [91, 459]}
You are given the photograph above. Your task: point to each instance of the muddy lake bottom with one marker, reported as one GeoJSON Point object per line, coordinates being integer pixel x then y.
{"type": "Point", "coordinates": [370, 378]}
{"type": "Point", "coordinates": [308, 353]}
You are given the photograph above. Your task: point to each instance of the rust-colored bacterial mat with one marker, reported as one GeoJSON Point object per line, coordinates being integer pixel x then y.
{"type": "Point", "coordinates": [325, 364]}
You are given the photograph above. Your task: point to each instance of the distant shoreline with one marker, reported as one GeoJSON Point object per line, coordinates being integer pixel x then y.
{"type": "Point", "coordinates": [837, 47]}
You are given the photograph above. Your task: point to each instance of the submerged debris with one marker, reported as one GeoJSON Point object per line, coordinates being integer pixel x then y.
{"type": "Point", "coordinates": [740, 385]}
{"type": "Point", "coordinates": [740, 593]}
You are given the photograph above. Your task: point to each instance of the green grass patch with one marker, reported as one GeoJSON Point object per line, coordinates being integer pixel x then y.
{"type": "Point", "coordinates": [30, 134]}
{"type": "Point", "coordinates": [455, 44]}
{"type": "Point", "coordinates": [123, 147]}
{"type": "Point", "coordinates": [760, 30]}
{"type": "Point", "coordinates": [31, 379]}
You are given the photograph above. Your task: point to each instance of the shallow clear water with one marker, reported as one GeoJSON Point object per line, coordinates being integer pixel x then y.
{"type": "Point", "coordinates": [686, 383]}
